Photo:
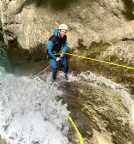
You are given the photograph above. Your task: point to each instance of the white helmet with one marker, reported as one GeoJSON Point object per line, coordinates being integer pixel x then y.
{"type": "Point", "coordinates": [63, 26]}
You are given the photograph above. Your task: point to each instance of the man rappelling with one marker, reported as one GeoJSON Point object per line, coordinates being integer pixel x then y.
{"type": "Point", "coordinates": [57, 47]}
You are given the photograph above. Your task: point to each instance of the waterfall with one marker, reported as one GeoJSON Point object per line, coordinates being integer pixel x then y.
{"type": "Point", "coordinates": [29, 111]}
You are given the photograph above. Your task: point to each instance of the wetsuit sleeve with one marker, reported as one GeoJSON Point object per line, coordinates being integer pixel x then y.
{"type": "Point", "coordinates": [65, 47]}
{"type": "Point", "coordinates": [50, 46]}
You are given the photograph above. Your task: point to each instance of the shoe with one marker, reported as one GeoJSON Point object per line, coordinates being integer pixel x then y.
{"type": "Point", "coordinates": [66, 76]}
{"type": "Point", "coordinates": [53, 79]}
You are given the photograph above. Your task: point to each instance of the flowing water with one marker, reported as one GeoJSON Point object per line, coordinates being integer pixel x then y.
{"type": "Point", "coordinates": [30, 112]}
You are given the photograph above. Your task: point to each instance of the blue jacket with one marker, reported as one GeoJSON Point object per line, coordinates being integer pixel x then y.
{"type": "Point", "coordinates": [57, 45]}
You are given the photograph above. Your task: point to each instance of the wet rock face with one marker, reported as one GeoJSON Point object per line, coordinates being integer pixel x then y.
{"type": "Point", "coordinates": [4, 62]}
{"type": "Point", "coordinates": [99, 109]}
{"type": "Point", "coordinates": [30, 22]}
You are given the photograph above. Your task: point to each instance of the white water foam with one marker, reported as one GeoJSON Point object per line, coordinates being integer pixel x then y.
{"type": "Point", "coordinates": [29, 111]}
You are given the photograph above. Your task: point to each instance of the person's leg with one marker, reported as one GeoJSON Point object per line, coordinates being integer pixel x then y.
{"type": "Point", "coordinates": [64, 63]}
{"type": "Point", "coordinates": [53, 64]}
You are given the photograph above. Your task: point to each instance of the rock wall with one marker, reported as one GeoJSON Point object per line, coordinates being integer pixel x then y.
{"type": "Point", "coordinates": [102, 109]}
{"type": "Point", "coordinates": [27, 25]}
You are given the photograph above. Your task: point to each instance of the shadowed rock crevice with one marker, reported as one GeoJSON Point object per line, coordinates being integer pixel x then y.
{"type": "Point", "coordinates": [4, 61]}
{"type": "Point", "coordinates": [129, 5]}
{"type": "Point", "coordinates": [55, 4]}
{"type": "Point", "coordinates": [18, 55]}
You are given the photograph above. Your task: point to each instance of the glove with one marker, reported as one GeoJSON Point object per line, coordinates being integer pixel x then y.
{"type": "Point", "coordinates": [61, 55]}
{"type": "Point", "coordinates": [58, 59]}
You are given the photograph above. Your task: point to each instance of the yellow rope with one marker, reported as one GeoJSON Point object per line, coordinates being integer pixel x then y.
{"type": "Point", "coordinates": [76, 129]}
{"type": "Point", "coordinates": [83, 57]}
{"type": "Point", "coordinates": [88, 58]}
